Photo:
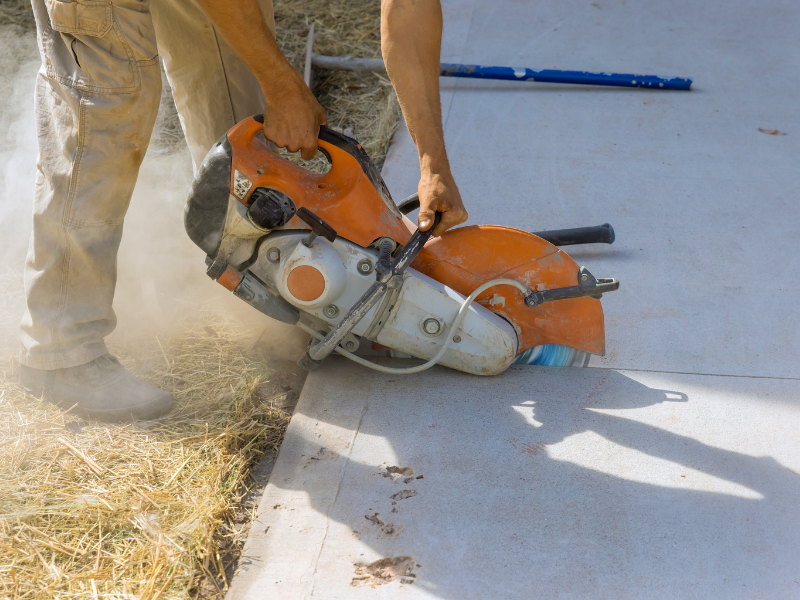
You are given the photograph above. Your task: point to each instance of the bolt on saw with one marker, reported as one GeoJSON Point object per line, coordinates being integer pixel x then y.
{"type": "Point", "coordinates": [332, 253]}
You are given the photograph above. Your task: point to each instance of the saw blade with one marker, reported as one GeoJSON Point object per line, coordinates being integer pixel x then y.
{"type": "Point", "coordinates": [553, 355]}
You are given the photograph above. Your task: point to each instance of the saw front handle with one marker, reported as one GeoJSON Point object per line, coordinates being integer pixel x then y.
{"type": "Point", "coordinates": [599, 234]}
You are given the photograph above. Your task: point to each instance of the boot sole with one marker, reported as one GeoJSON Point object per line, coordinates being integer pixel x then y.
{"type": "Point", "coordinates": [141, 413]}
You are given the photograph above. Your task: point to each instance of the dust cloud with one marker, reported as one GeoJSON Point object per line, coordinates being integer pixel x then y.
{"type": "Point", "coordinates": [19, 62]}
{"type": "Point", "coordinates": [161, 274]}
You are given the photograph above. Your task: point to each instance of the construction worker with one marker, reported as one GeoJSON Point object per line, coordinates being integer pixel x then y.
{"type": "Point", "coordinates": [97, 96]}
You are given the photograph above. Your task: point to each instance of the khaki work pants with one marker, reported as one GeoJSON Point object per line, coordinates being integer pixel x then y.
{"type": "Point", "coordinates": [97, 97]}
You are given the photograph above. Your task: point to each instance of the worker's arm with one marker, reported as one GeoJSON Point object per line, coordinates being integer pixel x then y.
{"type": "Point", "coordinates": [292, 115]}
{"type": "Point", "coordinates": [411, 40]}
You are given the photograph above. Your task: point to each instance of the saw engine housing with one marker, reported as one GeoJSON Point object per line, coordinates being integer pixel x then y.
{"type": "Point", "coordinates": [333, 253]}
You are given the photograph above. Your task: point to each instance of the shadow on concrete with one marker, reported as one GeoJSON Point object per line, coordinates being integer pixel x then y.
{"type": "Point", "coordinates": [530, 489]}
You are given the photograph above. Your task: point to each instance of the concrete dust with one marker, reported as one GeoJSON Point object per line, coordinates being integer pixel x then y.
{"type": "Point", "coordinates": [175, 327]}
{"type": "Point", "coordinates": [161, 273]}
{"type": "Point", "coordinates": [19, 62]}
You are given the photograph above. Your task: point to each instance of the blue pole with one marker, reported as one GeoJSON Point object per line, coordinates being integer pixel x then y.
{"type": "Point", "coordinates": [576, 77]}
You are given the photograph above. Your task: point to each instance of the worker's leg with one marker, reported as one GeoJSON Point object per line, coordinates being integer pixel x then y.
{"type": "Point", "coordinates": [212, 87]}
{"type": "Point", "coordinates": [97, 97]}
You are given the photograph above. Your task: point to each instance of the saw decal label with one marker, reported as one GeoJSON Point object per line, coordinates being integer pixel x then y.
{"type": "Point", "coordinates": [241, 185]}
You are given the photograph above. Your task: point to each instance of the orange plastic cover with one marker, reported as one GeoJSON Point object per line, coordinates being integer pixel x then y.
{"type": "Point", "coordinates": [305, 283]}
{"type": "Point", "coordinates": [465, 258]}
{"type": "Point", "coordinates": [343, 197]}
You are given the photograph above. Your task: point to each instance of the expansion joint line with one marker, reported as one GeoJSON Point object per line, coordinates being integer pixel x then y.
{"type": "Point", "coordinates": [333, 503]}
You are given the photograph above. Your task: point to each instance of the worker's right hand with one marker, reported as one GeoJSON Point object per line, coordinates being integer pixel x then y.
{"type": "Point", "coordinates": [438, 192]}
{"type": "Point", "coordinates": [292, 115]}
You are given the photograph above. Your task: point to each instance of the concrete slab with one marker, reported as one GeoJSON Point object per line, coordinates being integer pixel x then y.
{"type": "Point", "coordinates": [702, 202]}
{"type": "Point", "coordinates": [546, 483]}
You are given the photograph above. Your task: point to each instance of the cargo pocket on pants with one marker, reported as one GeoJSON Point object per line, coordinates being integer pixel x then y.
{"type": "Point", "coordinates": [85, 47]}
{"type": "Point", "coordinates": [80, 17]}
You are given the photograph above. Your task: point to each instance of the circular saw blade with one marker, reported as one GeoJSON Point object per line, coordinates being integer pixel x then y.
{"type": "Point", "coordinates": [553, 355]}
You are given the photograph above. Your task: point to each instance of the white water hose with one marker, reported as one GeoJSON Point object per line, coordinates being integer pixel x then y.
{"type": "Point", "coordinates": [453, 328]}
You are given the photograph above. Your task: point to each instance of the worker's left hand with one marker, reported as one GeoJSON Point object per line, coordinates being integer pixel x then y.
{"type": "Point", "coordinates": [438, 193]}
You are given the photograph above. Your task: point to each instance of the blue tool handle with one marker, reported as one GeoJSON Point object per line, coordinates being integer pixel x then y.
{"type": "Point", "coordinates": [573, 77]}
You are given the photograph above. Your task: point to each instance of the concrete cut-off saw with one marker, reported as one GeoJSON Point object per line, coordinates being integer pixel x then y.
{"type": "Point", "coordinates": [333, 253]}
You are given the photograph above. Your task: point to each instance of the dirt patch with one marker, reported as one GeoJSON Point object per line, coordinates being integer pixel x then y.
{"type": "Point", "coordinates": [398, 473]}
{"type": "Point", "coordinates": [387, 528]}
{"type": "Point", "coordinates": [385, 570]}
{"type": "Point", "coordinates": [403, 494]}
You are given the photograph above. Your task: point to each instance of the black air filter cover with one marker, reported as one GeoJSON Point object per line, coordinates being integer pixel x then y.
{"type": "Point", "coordinates": [207, 205]}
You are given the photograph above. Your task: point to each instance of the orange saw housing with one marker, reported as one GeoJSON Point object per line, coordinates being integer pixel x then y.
{"type": "Point", "coordinates": [353, 199]}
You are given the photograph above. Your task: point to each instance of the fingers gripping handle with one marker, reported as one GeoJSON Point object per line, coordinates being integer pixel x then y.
{"type": "Point", "coordinates": [255, 125]}
{"type": "Point", "coordinates": [415, 244]}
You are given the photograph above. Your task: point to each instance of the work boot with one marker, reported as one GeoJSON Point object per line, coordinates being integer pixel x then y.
{"type": "Point", "coordinates": [101, 389]}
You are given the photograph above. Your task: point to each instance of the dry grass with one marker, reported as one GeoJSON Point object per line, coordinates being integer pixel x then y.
{"type": "Point", "coordinates": [155, 510]}
{"type": "Point", "coordinates": [18, 13]}
{"type": "Point", "coordinates": [362, 104]}
{"type": "Point", "coordinates": [139, 510]}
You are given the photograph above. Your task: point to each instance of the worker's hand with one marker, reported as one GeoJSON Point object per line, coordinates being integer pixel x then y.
{"type": "Point", "coordinates": [438, 193]}
{"type": "Point", "coordinates": [292, 116]}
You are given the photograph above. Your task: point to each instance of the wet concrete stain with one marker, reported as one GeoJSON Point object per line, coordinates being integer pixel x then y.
{"type": "Point", "coordinates": [387, 528]}
{"type": "Point", "coordinates": [385, 570]}
{"type": "Point", "coordinates": [403, 494]}
{"type": "Point", "coordinates": [534, 448]}
{"type": "Point", "coordinates": [397, 473]}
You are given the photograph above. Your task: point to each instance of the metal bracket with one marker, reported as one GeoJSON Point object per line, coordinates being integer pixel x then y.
{"type": "Point", "coordinates": [588, 285]}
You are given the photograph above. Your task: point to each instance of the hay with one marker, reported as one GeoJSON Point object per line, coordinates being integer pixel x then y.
{"type": "Point", "coordinates": [363, 105]}
{"type": "Point", "coordinates": [18, 13]}
{"type": "Point", "coordinates": [138, 510]}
